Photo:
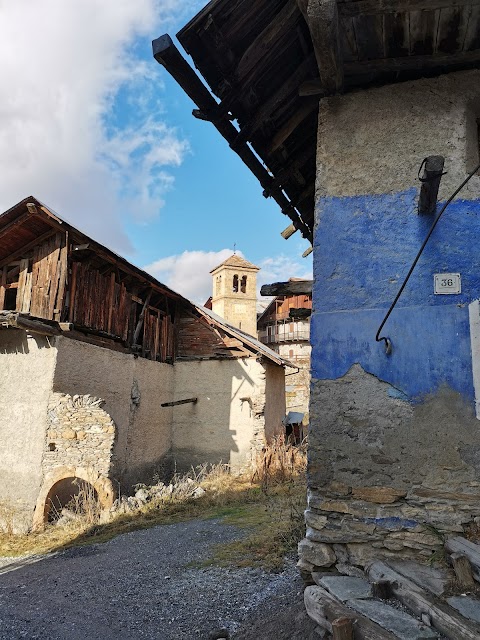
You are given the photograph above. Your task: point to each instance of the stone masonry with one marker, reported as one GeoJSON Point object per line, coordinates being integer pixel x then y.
{"type": "Point", "coordinates": [80, 434]}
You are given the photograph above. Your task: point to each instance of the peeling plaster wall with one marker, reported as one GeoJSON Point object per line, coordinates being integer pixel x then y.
{"type": "Point", "coordinates": [394, 441]}
{"type": "Point", "coordinates": [229, 418]}
{"type": "Point", "coordinates": [133, 390]}
{"type": "Point", "coordinates": [27, 370]}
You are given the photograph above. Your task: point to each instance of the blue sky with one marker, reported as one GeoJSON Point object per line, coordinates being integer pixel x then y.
{"type": "Point", "coordinates": [110, 143]}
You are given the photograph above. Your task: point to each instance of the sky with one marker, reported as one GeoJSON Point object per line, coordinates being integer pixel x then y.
{"type": "Point", "coordinates": [96, 129]}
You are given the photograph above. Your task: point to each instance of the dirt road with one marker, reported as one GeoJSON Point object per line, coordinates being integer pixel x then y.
{"type": "Point", "coordinates": [147, 584]}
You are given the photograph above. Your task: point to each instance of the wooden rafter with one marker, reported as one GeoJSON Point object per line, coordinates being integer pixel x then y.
{"type": "Point", "coordinates": [372, 7]}
{"type": "Point", "coordinates": [167, 54]}
{"type": "Point", "coordinates": [322, 20]}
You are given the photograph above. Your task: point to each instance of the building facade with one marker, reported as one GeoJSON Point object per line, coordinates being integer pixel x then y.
{"type": "Point", "coordinates": [110, 378]}
{"type": "Point", "coordinates": [235, 293]}
{"type": "Point", "coordinates": [284, 326]}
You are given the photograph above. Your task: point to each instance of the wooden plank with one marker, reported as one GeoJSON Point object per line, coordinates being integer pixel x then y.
{"type": "Point", "coordinates": [423, 30]}
{"type": "Point", "coordinates": [54, 273]}
{"type": "Point", "coordinates": [348, 41]}
{"type": "Point", "coordinates": [372, 7]}
{"type": "Point", "coordinates": [22, 281]}
{"type": "Point", "coordinates": [468, 549]}
{"type": "Point", "coordinates": [26, 248]}
{"type": "Point", "coordinates": [322, 20]}
{"type": "Point", "coordinates": [397, 34]}
{"type": "Point", "coordinates": [472, 34]}
{"type": "Point", "coordinates": [111, 301]}
{"type": "Point", "coordinates": [370, 39]}
{"type": "Point", "coordinates": [322, 607]}
{"type": "Point", "coordinates": [265, 41]}
{"type": "Point", "coordinates": [292, 287]}
{"type": "Point", "coordinates": [343, 628]}
{"type": "Point", "coordinates": [27, 294]}
{"type": "Point", "coordinates": [463, 570]}
{"type": "Point", "coordinates": [451, 30]}
{"type": "Point", "coordinates": [295, 121]}
{"type": "Point", "coordinates": [62, 280]}
{"type": "Point", "coordinates": [268, 108]}
{"type": "Point", "coordinates": [73, 292]}
{"type": "Point", "coordinates": [444, 618]}
{"type": "Point", "coordinates": [411, 63]}
{"type": "Point", "coordinates": [3, 282]}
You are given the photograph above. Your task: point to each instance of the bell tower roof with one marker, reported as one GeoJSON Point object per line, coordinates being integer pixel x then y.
{"type": "Point", "coordinates": [236, 261]}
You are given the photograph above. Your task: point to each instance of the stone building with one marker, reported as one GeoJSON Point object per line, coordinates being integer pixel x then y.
{"type": "Point", "coordinates": [109, 376]}
{"type": "Point", "coordinates": [285, 327]}
{"type": "Point", "coordinates": [235, 293]}
{"type": "Point", "coordinates": [347, 105]}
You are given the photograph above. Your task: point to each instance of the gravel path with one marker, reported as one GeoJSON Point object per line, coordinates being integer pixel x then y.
{"type": "Point", "coordinates": [140, 585]}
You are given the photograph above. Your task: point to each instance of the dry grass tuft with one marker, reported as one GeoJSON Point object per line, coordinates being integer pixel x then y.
{"type": "Point", "coordinates": [268, 503]}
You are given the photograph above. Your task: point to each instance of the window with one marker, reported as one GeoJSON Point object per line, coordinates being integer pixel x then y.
{"type": "Point", "coordinates": [235, 284]}
{"type": "Point", "coordinates": [243, 286]}
{"type": "Point", "coordinates": [218, 285]}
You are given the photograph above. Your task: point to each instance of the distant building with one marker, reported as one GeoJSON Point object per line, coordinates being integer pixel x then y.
{"type": "Point", "coordinates": [235, 293]}
{"type": "Point", "coordinates": [285, 327]}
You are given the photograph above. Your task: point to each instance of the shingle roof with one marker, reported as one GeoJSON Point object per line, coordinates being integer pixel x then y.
{"type": "Point", "coordinates": [236, 261]}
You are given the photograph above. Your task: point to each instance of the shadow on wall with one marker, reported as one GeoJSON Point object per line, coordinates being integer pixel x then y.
{"type": "Point", "coordinates": [228, 418]}
{"type": "Point", "coordinates": [16, 341]}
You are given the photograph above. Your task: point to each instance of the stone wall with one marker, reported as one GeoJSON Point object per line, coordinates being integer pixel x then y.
{"type": "Point", "coordinates": [394, 460]}
{"type": "Point", "coordinates": [80, 434]}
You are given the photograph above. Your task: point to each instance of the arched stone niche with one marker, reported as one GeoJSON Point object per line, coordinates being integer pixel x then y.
{"type": "Point", "coordinates": [78, 444]}
{"type": "Point", "coordinates": [103, 487]}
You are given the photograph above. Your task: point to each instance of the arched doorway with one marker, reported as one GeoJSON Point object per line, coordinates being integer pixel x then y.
{"type": "Point", "coordinates": [66, 483]}
{"type": "Point", "coordinates": [78, 495]}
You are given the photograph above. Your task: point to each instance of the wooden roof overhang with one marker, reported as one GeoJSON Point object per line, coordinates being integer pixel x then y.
{"type": "Point", "coordinates": [269, 62]}
{"type": "Point", "coordinates": [24, 226]}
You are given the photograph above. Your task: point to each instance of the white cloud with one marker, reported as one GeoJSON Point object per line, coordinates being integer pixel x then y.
{"type": "Point", "coordinates": [189, 272]}
{"type": "Point", "coordinates": [63, 67]}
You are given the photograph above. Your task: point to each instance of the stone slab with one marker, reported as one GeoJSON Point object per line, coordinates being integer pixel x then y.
{"type": "Point", "coordinates": [404, 626]}
{"type": "Point", "coordinates": [347, 588]}
{"type": "Point", "coordinates": [430, 578]}
{"type": "Point", "coordinates": [466, 606]}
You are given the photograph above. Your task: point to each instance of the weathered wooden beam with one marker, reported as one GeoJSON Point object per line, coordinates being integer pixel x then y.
{"type": "Point", "coordinates": [371, 7]}
{"type": "Point", "coordinates": [32, 325]}
{"type": "Point", "coordinates": [166, 54]}
{"type": "Point", "coordinates": [463, 570]}
{"type": "Point", "coordinates": [179, 402]}
{"type": "Point", "coordinates": [322, 20]}
{"type": "Point", "coordinates": [307, 252]}
{"type": "Point", "coordinates": [363, 70]}
{"type": "Point", "coordinates": [289, 231]}
{"type": "Point", "coordinates": [26, 248]}
{"type": "Point", "coordinates": [322, 607]}
{"type": "Point", "coordinates": [290, 288]}
{"type": "Point", "coordinates": [432, 174]}
{"type": "Point", "coordinates": [468, 549]}
{"type": "Point", "coordinates": [343, 628]}
{"type": "Point", "coordinates": [299, 314]}
{"type": "Point", "coordinates": [141, 319]}
{"type": "Point", "coordinates": [444, 618]}
{"type": "Point", "coordinates": [268, 108]}
{"type": "Point", "coordinates": [15, 223]}
{"type": "Point", "coordinates": [296, 120]}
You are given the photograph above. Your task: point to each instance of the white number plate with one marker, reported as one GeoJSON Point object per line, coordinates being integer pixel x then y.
{"type": "Point", "coordinates": [447, 283]}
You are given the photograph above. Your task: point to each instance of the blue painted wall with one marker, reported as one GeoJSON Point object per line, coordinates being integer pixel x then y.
{"type": "Point", "coordinates": [364, 246]}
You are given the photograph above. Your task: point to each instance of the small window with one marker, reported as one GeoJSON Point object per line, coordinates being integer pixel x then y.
{"type": "Point", "coordinates": [243, 285]}
{"type": "Point", "coordinates": [219, 285]}
{"type": "Point", "coordinates": [235, 284]}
